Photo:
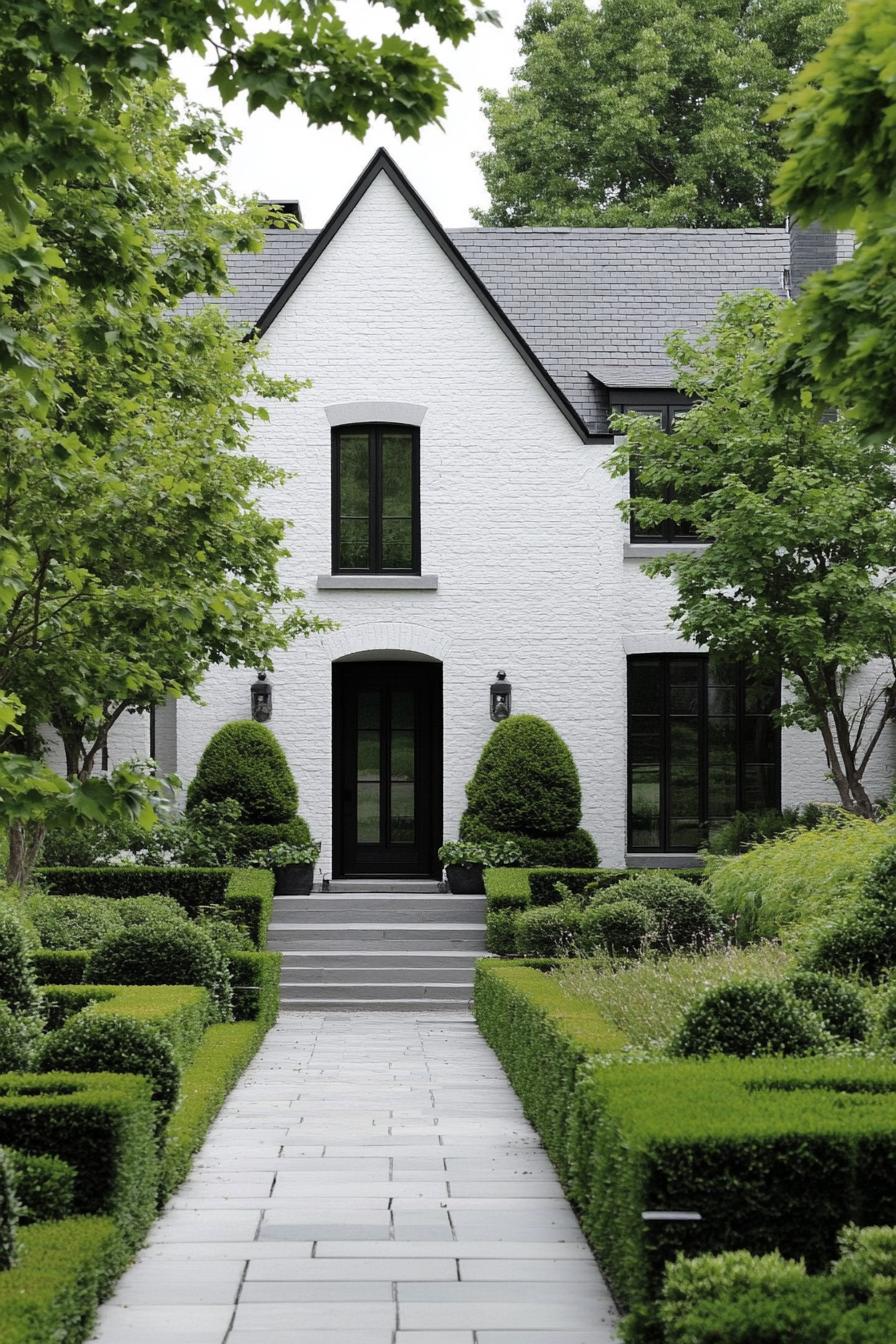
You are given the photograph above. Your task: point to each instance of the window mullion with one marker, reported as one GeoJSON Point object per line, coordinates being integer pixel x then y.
{"type": "Point", "coordinates": [376, 502]}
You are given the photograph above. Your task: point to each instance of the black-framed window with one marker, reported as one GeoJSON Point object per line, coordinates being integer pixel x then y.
{"type": "Point", "coordinates": [376, 499]}
{"type": "Point", "coordinates": [665, 413]}
{"type": "Point", "coordinates": [702, 745]}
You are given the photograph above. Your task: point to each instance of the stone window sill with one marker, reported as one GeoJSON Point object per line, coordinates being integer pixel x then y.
{"type": "Point", "coordinates": [380, 582]}
{"type": "Point", "coordinates": [648, 550]}
{"type": "Point", "coordinates": [663, 861]}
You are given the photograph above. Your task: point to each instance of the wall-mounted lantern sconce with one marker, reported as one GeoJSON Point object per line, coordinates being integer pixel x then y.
{"type": "Point", "coordinates": [500, 698]}
{"type": "Point", "coordinates": [262, 699]}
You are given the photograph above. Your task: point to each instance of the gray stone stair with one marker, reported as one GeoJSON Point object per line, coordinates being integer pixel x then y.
{"type": "Point", "coordinates": [400, 946]}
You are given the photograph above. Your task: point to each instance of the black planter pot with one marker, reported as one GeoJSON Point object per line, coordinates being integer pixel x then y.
{"type": "Point", "coordinates": [465, 879]}
{"type": "Point", "coordinates": [294, 879]}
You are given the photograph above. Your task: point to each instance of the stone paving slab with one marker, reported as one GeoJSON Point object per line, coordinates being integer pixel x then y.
{"type": "Point", "coordinates": [371, 1180]}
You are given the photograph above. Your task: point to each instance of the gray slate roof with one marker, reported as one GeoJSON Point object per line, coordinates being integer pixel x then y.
{"type": "Point", "coordinates": [594, 305]}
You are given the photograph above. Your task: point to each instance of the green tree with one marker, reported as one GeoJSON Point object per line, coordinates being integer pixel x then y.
{"type": "Point", "coordinates": [67, 71]}
{"type": "Point", "coordinates": [840, 130]}
{"type": "Point", "coordinates": [646, 112]}
{"type": "Point", "coordinates": [801, 517]}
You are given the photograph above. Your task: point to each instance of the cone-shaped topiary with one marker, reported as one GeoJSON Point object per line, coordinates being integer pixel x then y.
{"type": "Point", "coordinates": [526, 788]}
{"type": "Point", "coordinates": [244, 760]}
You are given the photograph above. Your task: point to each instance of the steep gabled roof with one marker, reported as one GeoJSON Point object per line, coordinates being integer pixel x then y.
{"type": "Point", "coordinates": [588, 309]}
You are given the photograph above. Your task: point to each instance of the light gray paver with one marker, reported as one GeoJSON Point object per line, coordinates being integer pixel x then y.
{"type": "Point", "coordinates": [371, 1180]}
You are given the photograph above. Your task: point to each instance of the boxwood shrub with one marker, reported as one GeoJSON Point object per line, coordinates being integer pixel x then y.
{"type": "Point", "coordinates": [256, 986]}
{"type": "Point", "coordinates": [164, 954]}
{"type": "Point", "coordinates": [748, 1018]}
{"type": "Point", "coordinates": [548, 931]}
{"type": "Point", "coordinates": [621, 927]}
{"type": "Point", "coordinates": [541, 1034]}
{"type": "Point", "coordinates": [64, 1270]}
{"type": "Point", "coordinates": [44, 1186]}
{"type": "Point", "coordinates": [9, 1211]}
{"type": "Point", "coordinates": [18, 983]}
{"type": "Point", "coordinates": [20, 1035]}
{"type": "Point", "coordinates": [59, 968]}
{"type": "Point", "coordinates": [249, 898]}
{"type": "Point", "coordinates": [112, 1043]}
{"type": "Point", "coordinates": [103, 1125]}
{"type": "Point", "coordinates": [543, 883]}
{"type": "Point", "coordinates": [507, 888]}
{"type": "Point", "coordinates": [73, 922]}
{"type": "Point", "coordinates": [774, 1154]}
{"type": "Point", "coordinates": [838, 1003]}
{"type": "Point", "coordinates": [190, 887]}
{"type": "Point", "coordinates": [244, 761]}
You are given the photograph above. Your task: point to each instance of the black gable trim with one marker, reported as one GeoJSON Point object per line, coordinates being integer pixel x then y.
{"type": "Point", "coordinates": [383, 163]}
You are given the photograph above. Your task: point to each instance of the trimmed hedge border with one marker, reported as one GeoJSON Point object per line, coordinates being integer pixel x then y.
{"type": "Point", "coordinates": [59, 968]}
{"type": "Point", "coordinates": [256, 986]}
{"type": "Point", "coordinates": [64, 1270]}
{"type": "Point", "coordinates": [249, 897]}
{"type": "Point", "coordinates": [180, 1013]}
{"type": "Point", "coordinates": [542, 1035]}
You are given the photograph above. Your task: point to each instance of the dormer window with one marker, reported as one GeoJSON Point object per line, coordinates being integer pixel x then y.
{"type": "Point", "coordinates": [665, 414]}
{"type": "Point", "coordinates": [376, 499]}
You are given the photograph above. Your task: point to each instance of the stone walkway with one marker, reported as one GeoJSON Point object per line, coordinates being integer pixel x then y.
{"type": "Point", "coordinates": [372, 1180]}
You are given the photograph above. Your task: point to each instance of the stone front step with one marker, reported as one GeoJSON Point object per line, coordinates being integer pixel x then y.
{"type": "Point", "coordinates": [362, 1005]}
{"type": "Point", "coordinates": [385, 909]}
{"type": "Point", "coordinates": [350, 991]}
{"type": "Point", "coordinates": [378, 886]}
{"type": "Point", "coordinates": [333, 937]}
{"type": "Point", "coordinates": [346, 972]}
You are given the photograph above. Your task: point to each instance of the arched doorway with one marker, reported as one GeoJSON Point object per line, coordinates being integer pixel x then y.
{"type": "Point", "coordinates": [387, 766]}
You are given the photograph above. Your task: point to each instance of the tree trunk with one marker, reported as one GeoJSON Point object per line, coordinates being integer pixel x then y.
{"type": "Point", "coordinates": [845, 774]}
{"type": "Point", "coordinates": [25, 840]}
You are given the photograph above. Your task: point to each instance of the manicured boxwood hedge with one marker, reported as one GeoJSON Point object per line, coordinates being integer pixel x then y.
{"type": "Point", "coordinates": [249, 897]}
{"type": "Point", "coordinates": [103, 1124]}
{"type": "Point", "coordinates": [256, 986]}
{"type": "Point", "coordinates": [543, 883]}
{"type": "Point", "coordinates": [44, 1186]}
{"type": "Point", "coordinates": [64, 1269]}
{"type": "Point", "coordinates": [541, 1034]}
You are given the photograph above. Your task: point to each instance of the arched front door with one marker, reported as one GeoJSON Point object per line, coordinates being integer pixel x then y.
{"type": "Point", "coordinates": [387, 768]}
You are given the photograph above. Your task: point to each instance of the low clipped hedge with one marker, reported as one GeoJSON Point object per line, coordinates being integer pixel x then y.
{"type": "Point", "coordinates": [44, 1186]}
{"type": "Point", "coordinates": [59, 968]}
{"type": "Point", "coordinates": [179, 1012]}
{"type": "Point", "coordinates": [542, 1035]}
{"type": "Point", "coordinates": [543, 883]}
{"type": "Point", "coordinates": [64, 1270]}
{"type": "Point", "coordinates": [249, 898]}
{"type": "Point", "coordinates": [256, 986]}
{"type": "Point", "coordinates": [103, 1125]}
{"type": "Point", "coordinates": [773, 1154]}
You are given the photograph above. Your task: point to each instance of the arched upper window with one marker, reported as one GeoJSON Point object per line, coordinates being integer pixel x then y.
{"type": "Point", "coordinates": [376, 499]}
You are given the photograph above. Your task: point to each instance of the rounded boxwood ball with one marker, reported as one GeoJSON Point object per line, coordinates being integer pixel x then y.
{"type": "Point", "coordinates": [839, 1005]}
{"type": "Point", "coordinates": [108, 1043]}
{"type": "Point", "coordinates": [745, 1018]}
{"type": "Point", "coordinates": [861, 941]}
{"type": "Point", "coordinates": [682, 914]}
{"type": "Point", "coordinates": [244, 761]}
{"type": "Point", "coordinates": [526, 780]}
{"type": "Point", "coordinates": [548, 931]}
{"type": "Point", "coordinates": [165, 953]}
{"type": "Point", "coordinates": [621, 926]}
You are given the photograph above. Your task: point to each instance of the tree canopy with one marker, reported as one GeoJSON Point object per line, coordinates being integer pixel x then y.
{"type": "Point", "coordinates": [840, 131]}
{"type": "Point", "coordinates": [646, 112]}
{"type": "Point", "coordinates": [801, 516]}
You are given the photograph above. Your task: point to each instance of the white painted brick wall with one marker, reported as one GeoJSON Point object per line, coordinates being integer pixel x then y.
{"type": "Point", "coordinates": [518, 522]}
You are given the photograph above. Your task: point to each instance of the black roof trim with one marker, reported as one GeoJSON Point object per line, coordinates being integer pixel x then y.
{"type": "Point", "coordinates": [382, 162]}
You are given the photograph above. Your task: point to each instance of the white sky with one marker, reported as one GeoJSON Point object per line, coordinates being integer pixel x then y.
{"type": "Point", "coordinates": [284, 158]}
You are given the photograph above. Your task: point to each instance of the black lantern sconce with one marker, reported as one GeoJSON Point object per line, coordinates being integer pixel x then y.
{"type": "Point", "coordinates": [262, 699]}
{"type": "Point", "coordinates": [500, 698]}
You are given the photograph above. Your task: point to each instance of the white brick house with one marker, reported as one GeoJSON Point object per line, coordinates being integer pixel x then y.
{"type": "Point", "coordinates": [494, 355]}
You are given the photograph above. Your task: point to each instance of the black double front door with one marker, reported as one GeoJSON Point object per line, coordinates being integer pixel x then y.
{"type": "Point", "coordinates": [387, 769]}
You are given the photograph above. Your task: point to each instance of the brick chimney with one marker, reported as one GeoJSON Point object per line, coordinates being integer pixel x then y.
{"type": "Point", "coordinates": [815, 249]}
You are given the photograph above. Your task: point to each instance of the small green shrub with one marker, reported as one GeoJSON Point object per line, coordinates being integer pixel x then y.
{"type": "Point", "coordinates": [136, 911]}
{"type": "Point", "coordinates": [620, 927]}
{"type": "Point", "coordinates": [548, 931]}
{"type": "Point", "coordinates": [226, 935]}
{"type": "Point", "coordinates": [73, 922]}
{"type": "Point", "coordinates": [9, 1212]}
{"type": "Point", "coordinates": [164, 954]}
{"type": "Point", "coordinates": [19, 1037]}
{"type": "Point", "coordinates": [750, 1018]}
{"type": "Point", "coordinates": [18, 983]}
{"type": "Point", "coordinates": [107, 1043]}
{"type": "Point", "coordinates": [839, 1005]}
{"type": "Point", "coordinates": [543, 882]}
{"type": "Point", "coordinates": [752, 828]}
{"type": "Point", "coordinates": [244, 761]}
{"type": "Point", "coordinates": [44, 1186]}
{"type": "Point", "coordinates": [683, 917]}
{"type": "Point", "coordinates": [860, 941]}
{"type": "Point", "coordinates": [64, 1270]}
{"type": "Point", "coordinates": [887, 1022]}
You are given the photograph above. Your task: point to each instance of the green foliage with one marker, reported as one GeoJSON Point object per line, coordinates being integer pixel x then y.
{"type": "Point", "coordinates": [858, 941]}
{"type": "Point", "coordinates": [548, 931]}
{"type": "Point", "coordinates": [576, 849]}
{"type": "Point", "coordinates": [500, 931]}
{"type": "Point", "coordinates": [244, 761]}
{"type": "Point", "coordinates": [838, 130]}
{"type": "Point", "coordinates": [264, 834]}
{"type": "Point", "coordinates": [839, 1005]}
{"type": "Point", "coordinates": [64, 1270]}
{"type": "Point", "coordinates": [887, 1023]}
{"type": "Point", "coordinates": [526, 782]}
{"type": "Point", "coordinates": [792, 884]}
{"type": "Point", "coordinates": [190, 887]}
{"type": "Point", "coordinates": [621, 927]}
{"type": "Point", "coordinates": [9, 1211]}
{"type": "Point", "coordinates": [44, 1186]}
{"type": "Point", "coordinates": [19, 1037]}
{"type": "Point", "coordinates": [219, 1061]}
{"type": "Point", "coordinates": [746, 829]}
{"type": "Point", "coordinates": [256, 986]}
{"type": "Point", "coordinates": [775, 1154]}
{"type": "Point", "coordinates": [60, 968]}
{"type": "Point", "coordinates": [542, 1035]}
{"type": "Point", "coordinates": [136, 911]}
{"type": "Point", "coordinates": [103, 1125]}
{"type": "Point", "coordinates": [682, 915]}
{"type": "Point", "coordinates": [249, 899]}
{"type": "Point", "coordinates": [163, 954]}
{"type": "Point", "coordinates": [18, 986]}
{"type": "Point", "coordinates": [177, 1013]}
{"type": "Point", "coordinates": [750, 1018]}
{"type": "Point", "coordinates": [107, 1043]}
{"type": "Point", "coordinates": [646, 112]}
{"type": "Point", "coordinates": [769, 485]}
{"type": "Point", "coordinates": [507, 888]}
{"type": "Point", "coordinates": [543, 882]}
{"type": "Point", "coordinates": [73, 922]}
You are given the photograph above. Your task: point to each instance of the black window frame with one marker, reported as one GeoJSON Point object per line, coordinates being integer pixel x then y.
{"type": "Point", "coordinates": [375, 432]}
{"type": "Point", "coordinates": [669, 532]}
{"type": "Point", "coordinates": [664, 847]}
